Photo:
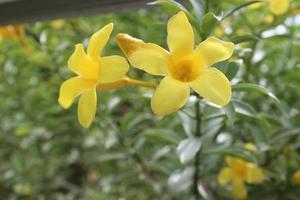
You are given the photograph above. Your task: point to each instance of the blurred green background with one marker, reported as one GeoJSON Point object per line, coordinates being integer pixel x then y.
{"type": "Point", "coordinates": [128, 153]}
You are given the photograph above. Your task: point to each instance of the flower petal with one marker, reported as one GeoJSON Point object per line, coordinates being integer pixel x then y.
{"type": "Point", "coordinates": [239, 189]}
{"type": "Point", "coordinates": [296, 177]}
{"type": "Point", "coordinates": [180, 35]}
{"type": "Point", "coordinates": [279, 7]}
{"type": "Point", "coordinates": [225, 176]}
{"type": "Point", "coordinates": [112, 68]}
{"type": "Point", "coordinates": [87, 107]}
{"type": "Point", "coordinates": [151, 58]}
{"type": "Point", "coordinates": [213, 86]}
{"type": "Point", "coordinates": [81, 64]}
{"type": "Point", "coordinates": [213, 50]}
{"type": "Point", "coordinates": [71, 88]}
{"type": "Point", "coordinates": [169, 96]}
{"type": "Point", "coordinates": [98, 41]}
{"type": "Point", "coordinates": [254, 174]}
{"type": "Point", "coordinates": [128, 44]}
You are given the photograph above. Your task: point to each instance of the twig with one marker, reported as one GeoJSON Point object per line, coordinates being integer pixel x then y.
{"type": "Point", "coordinates": [197, 157]}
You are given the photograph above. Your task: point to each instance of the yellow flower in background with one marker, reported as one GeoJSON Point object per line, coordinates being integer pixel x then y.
{"type": "Point", "coordinates": [279, 7]}
{"type": "Point", "coordinates": [58, 23]}
{"type": "Point", "coordinates": [12, 32]}
{"type": "Point", "coordinates": [255, 5]}
{"type": "Point", "coordinates": [296, 177]}
{"type": "Point", "coordinates": [92, 71]}
{"type": "Point", "coordinates": [237, 173]}
{"type": "Point", "coordinates": [182, 67]}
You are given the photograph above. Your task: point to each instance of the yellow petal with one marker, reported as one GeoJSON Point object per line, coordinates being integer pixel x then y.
{"type": "Point", "coordinates": [9, 32]}
{"type": "Point", "coordinates": [255, 5]}
{"type": "Point", "coordinates": [180, 35]}
{"type": "Point", "coordinates": [213, 50]}
{"type": "Point", "coordinates": [151, 58]}
{"type": "Point", "coordinates": [169, 96]}
{"type": "Point", "coordinates": [112, 68]}
{"type": "Point", "coordinates": [213, 86]}
{"type": "Point", "coordinates": [250, 147]}
{"type": "Point", "coordinates": [225, 176]}
{"type": "Point", "coordinates": [98, 41]}
{"type": "Point", "coordinates": [87, 107]}
{"type": "Point", "coordinates": [279, 7]}
{"type": "Point", "coordinates": [71, 88]}
{"type": "Point", "coordinates": [82, 65]}
{"type": "Point", "coordinates": [296, 177]}
{"type": "Point", "coordinates": [254, 173]}
{"type": "Point", "coordinates": [128, 44]}
{"type": "Point", "coordinates": [238, 167]}
{"type": "Point", "coordinates": [239, 189]}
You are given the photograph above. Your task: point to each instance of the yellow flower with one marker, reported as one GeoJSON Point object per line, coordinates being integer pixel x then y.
{"type": "Point", "coordinates": [250, 147]}
{"type": "Point", "coordinates": [296, 177]}
{"type": "Point", "coordinates": [237, 173]}
{"type": "Point", "coordinates": [183, 66]}
{"type": "Point", "coordinates": [279, 7]}
{"type": "Point", "coordinates": [255, 5]}
{"type": "Point", "coordinates": [12, 32]}
{"type": "Point", "coordinates": [57, 24]}
{"type": "Point", "coordinates": [93, 71]}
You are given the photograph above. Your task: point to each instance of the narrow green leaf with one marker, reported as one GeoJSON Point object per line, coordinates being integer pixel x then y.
{"type": "Point", "coordinates": [230, 69]}
{"type": "Point", "coordinates": [234, 10]}
{"type": "Point", "coordinates": [244, 109]}
{"type": "Point", "coordinates": [284, 134]}
{"type": "Point", "coordinates": [248, 87]}
{"type": "Point", "coordinates": [181, 180]}
{"type": "Point", "coordinates": [161, 135]}
{"type": "Point", "coordinates": [170, 4]}
{"type": "Point", "coordinates": [188, 148]}
{"type": "Point", "coordinates": [230, 113]}
{"type": "Point", "coordinates": [235, 151]}
{"type": "Point", "coordinates": [198, 6]}
{"type": "Point", "coordinates": [244, 38]}
{"type": "Point", "coordinates": [208, 23]}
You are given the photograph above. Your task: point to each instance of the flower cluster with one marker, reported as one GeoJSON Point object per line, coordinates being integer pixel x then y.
{"type": "Point", "coordinates": [238, 172]}
{"type": "Point", "coordinates": [183, 67]}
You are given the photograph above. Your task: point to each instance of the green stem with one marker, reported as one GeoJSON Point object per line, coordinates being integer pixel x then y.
{"type": "Point", "coordinates": [240, 7]}
{"type": "Point", "coordinates": [207, 6]}
{"type": "Point", "coordinates": [197, 157]}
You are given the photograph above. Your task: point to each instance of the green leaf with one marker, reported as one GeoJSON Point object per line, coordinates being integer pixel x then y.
{"type": "Point", "coordinates": [170, 4]}
{"type": "Point", "coordinates": [285, 134]}
{"type": "Point", "coordinates": [235, 151]}
{"type": "Point", "coordinates": [181, 180]}
{"type": "Point", "coordinates": [188, 123]}
{"type": "Point", "coordinates": [198, 6]}
{"type": "Point", "coordinates": [208, 23]}
{"type": "Point", "coordinates": [229, 69]}
{"type": "Point", "coordinates": [161, 135]}
{"type": "Point", "coordinates": [230, 113]}
{"type": "Point", "coordinates": [248, 87]}
{"type": "Point", "coordinates": [234, 10]}
{"type": "Point", "coordinates": [244, 109]}
{"type": "Point", "coordinates": [188, 148]}
{"type": "Point", "coordinates": [244, 38]}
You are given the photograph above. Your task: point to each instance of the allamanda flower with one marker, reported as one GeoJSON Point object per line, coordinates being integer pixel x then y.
{"type": "Point", "coordinates": [182, 67]}
{"type": "Point", "coordinates": [296, 177]}
{"type": "Point", "coordinates": [12, 32]}
{"type": "Point", "coordinates": [92, 72]}
{"type": "Point", "coordinates": [278, 7]}
{"type": "Point", "coordinates": [238, 172]}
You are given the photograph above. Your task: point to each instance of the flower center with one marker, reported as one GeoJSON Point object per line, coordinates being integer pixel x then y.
{"type": "Point", "coordinates": [186, 69]}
